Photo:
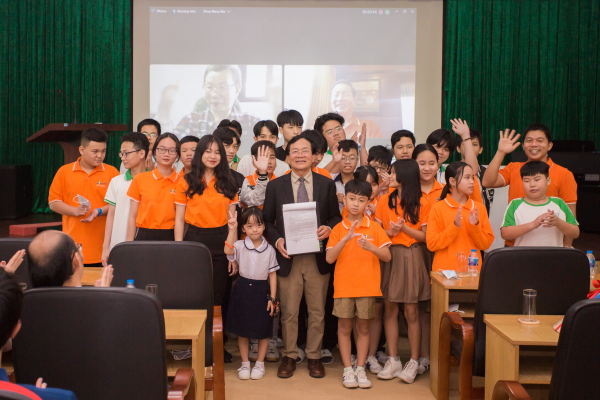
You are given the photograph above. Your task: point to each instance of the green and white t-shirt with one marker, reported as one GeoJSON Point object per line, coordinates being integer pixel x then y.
{"type": "Point", "coordinates": [116, 195]}
{"type": "Point", "coordinates": [520, 212]}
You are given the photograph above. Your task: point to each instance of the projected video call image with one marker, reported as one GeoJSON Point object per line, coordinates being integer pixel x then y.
{"type": "Point", "coordinates": [193, 99]}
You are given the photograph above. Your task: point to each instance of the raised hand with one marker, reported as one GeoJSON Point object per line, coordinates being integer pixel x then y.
{"type": "Point", "coordinates": [232, 221]}
{"type": "Point", "coordinates": [508, 142]}
{"type": "Point", "coordinates": [461, 128]}
{"type": "Point", "coordinates": [352, 232]}
{"type": "Point", "coordinates": [14, 262]}
{"type": "Point", "coordinates": [362, 139]}
{"type": "Point", "coordinates": [474, 216]}
{"type": "Point", "coordinates": [372, 207]}
{"type": "Point", "coordinates": [336, 153]}
{"type": "Point", "coordinates": [107, 277]}
{"type": "Point", "coordinates": [261, 161]}
{"type": "Point", "coordinates": [458, 217]}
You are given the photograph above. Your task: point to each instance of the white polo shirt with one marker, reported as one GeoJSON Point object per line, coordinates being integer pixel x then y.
{"type": "Point", "coordinates": [116, 195]}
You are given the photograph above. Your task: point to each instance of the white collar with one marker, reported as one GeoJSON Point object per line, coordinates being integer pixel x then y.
{"type": "Point", "coordinates": [250, 246]}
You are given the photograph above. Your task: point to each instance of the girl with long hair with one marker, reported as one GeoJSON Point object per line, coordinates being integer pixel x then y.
{"type": "Point", "coordinates": [403, 214]}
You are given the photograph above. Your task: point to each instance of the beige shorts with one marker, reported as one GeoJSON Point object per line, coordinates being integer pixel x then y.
{"type": "Point", "coordinates": [350, 307]}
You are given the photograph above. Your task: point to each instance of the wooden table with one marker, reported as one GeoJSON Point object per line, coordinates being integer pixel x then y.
{"type": "Point", "coordinates": [187, 325]}
{"type": "Point", "coordinates": [90, 276]}
{"type": "Point", "coordinates": [444, 292]}
{"type": "Point", "coordinates": [504, 361]}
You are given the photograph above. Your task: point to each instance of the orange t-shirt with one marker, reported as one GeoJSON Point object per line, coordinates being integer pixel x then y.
{"type": "Point", "coordinates": [357, 271]}
{"type": "Point", "coordinates": [317, 170]}
{"type": "Point", "coordinates": [252, 182]}
{"type": "Point", "coordinates": [70, 181]}
{"type": "Point", "coordinates": [385, 214]}
{"type": "Point", "coordinates": [434, 194]}
{"type": "Point", "coordinates": [208, 210]}
{"type": "Point", "coordinates": [156, 195]}
{"type": "Point", "coordinates": [477, 192]}
{"type": "Point", "coordinates": [446, 239]}
{"type": "Point", "coordinates": [562, 182]}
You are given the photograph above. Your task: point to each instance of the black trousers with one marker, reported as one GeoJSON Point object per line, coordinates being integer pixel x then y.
{"type": "Point", "coordinates": [167, 235]}
{"type": "Point", "coordinates": [214, 239]}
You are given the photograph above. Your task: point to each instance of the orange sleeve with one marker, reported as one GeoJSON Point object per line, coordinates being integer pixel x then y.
{"type": "Point", "coordinates": [567, 190]}
{"type": "Point", "coordinates": [482, 233]}
{"type": "Point", "coordinates": [134, 190]}
{"type": "Point", "coordinates": [506, 171]}
{"type": "Point", "coordinates": [56, 192]}
{"type": "Point", "coordinates": [425, 211]}
{"type": "Point", "coordinates": [235, 200]}
{"type": "Point", "coordinates": [381, 211]}
{"type": "Point", "coordinates": [438, 235]}
{"type": "Point", "coordinates": [180, 196]}
{"type": "Point", "coordinates": [381, 238]}
{"type": "Point", "coordinates": [334, 237]}
{"type": "Point", "coordinates": [477, 192]}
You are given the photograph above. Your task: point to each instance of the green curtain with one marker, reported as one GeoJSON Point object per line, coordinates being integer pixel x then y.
{"type": "Point", "coordinates": [510, 63]}
{"type": "Point", "coordinates": [80, 46]}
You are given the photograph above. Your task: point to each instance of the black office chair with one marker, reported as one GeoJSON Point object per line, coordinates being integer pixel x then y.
{"type": "Point", "coordinates": [183, 273]}
{"type": "Point", "coordinates": [8, 248]}
{"type": "Point", "coordinates": [100, 343]}
{"type": "Point", "coordinates": [576, 365]}
{"type": "Point", "coordinates": [561, 277]}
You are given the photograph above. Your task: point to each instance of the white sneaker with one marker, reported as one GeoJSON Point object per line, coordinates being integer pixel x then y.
{"type": "Point", "coordinates": [272, 351]}
{"type": "Point", "coordinates": [353, 360]}
{"type": "Point", "coordinates": [381, 357]}
{"type": "Point", "coordinates": [391, 369]}
{"type": "Point", "coordinates": [253, 354]}
{"type": "Point", "coordinates": [257, 372]}
{"type": "Point", "coordinates": [363, 381]}
{"type": "Point", "coordinates": [349, 379]}
{"type": "Point", "coordinates": [410, 371]}
{"type": "Point", "coordinates": [423, 365]}
{"type": "Point", "coordinates": [373, 365]}
{"type": "Point", "coordinates": [279, 342]}
{"type": "Point", "coordinates": [244, 373]}
{"type": "Point", "coordinates": [301, 356]}
{"type": "Point", "coordinates": [326, 357]}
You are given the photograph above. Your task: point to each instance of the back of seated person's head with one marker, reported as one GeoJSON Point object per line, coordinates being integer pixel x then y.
{"type": "Point", "coordinates": [11, 305]}
{"type": "Point", "coordinates": [532, 168]}
{"type": "Point", "coordinates": [381, 155]}
{"type": "Point", "coordinates": [359, 187]}
{"type": "Point", "coordinates": [259, 144]}
{"type": "Point", "coordinates": [51, 257]}
{"type": "Point", "coordinates": [318, 142]}
{"type": "Point", "coordinates": [231, 124]}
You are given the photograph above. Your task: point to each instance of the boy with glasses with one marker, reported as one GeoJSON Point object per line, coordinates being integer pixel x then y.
{"type": "Point", "coordinates": [380, 158]}
{"type": "Point", "coordinates": [330, 125]}
{"type": "Point", "coordinates": [134, 148]}
{"type": "Point", "coordinates": [348, 163]}
{"type": "Point", "coordinates": [151, 129]}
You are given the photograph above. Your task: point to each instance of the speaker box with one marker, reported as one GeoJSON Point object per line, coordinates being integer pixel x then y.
{"type": "Point", "coordinates": [15, 191]}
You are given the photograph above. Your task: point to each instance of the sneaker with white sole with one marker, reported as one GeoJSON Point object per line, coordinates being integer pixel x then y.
{"type": "Point", "coordinates": [253, 354]}
{"type": "Point", "coordinates": [373, 365]}
{"type": "Point", "coordinates": [409, 372]}
{"type": "Point", "coordinates": [272, 351]}
{"type": "Point", "coordinates": [423, 365]}
{"type": "Point", "coordinates": [257, 372]}
{"type": "Point", "coordinates": [326, 357]}
{"type": "Point", "coordinates": [390, 369]}
{"type": "Point", "coordinates": [244, 373]}
{"type": "Point", "coordinates": [279, 342]}
{"type": "Point", "coordinates": [381, 357]}
{"type": "Point", "coordinates": [349, 380]}
{"type": "Point", "coordinates": [301, 356]}
{"type": "Point", "coordinates": [363, 381]}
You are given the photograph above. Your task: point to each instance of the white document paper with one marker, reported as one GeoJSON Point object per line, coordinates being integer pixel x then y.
{"type": "Point", "coordinates": [300, 221]}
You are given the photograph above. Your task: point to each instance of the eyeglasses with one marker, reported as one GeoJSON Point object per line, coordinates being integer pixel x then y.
{"type": "Point", "coordinates": [78, 248]}
{"type": "Point", "coordinates": [150, 135]}
{"type": "Point", "coordinates": [337, 129]}
{"type": "Point", "coordinates": [349, 159]}
{"type": "Point", "coordinates": [221, 89]}
{"type": "Point", "coordinates": [125, 154]}
{"type": "Point", "coordinates": [379, 168]}
{"type": "Point", "coordinates": [297, 152]}
{"type": "Point", "coordinates": [162, 150]}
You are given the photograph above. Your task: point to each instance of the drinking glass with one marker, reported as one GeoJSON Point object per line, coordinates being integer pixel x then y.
{"type": "Point", "coordinates": [529, 309]}
{"type": "Point", "coordinates": [152, 288]}
{"type": "Point", "coordinates": [462, 270]}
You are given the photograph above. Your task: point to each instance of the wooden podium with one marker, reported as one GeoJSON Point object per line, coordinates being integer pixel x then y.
{"type": "Point", "coordinates": [69, 136]}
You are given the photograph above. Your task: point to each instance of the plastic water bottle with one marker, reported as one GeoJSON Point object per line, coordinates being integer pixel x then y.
{"type": "Point", "coordinates": [592, 261]}
{"type": "Point", "coordinates": [130, 284]}
{"type": "Point", "coordinates": [473, 262]}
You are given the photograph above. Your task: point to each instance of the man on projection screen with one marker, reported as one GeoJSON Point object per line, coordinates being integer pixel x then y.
{"type": "Point", "coordinates": [343, 101]}
{"type": "Point", "coordinates": [222, 85]}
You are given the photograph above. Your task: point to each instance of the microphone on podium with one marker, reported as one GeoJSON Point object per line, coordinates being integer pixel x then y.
{"type": "Point", "coordinates": [70, 103]}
